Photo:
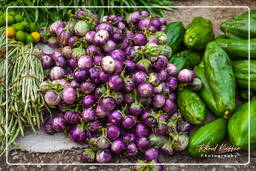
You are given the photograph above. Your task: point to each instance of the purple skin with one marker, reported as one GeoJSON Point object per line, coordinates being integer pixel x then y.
{"type": "Point", "coordinates": [103, 77]}
{"type": "Point", "coordinates": [115, 117]}
{"type": "Point", "coordinates": [54, 26]}
{"type": "Point", "coordinates": [78, 134]}
{"type": "Point", "coordinates": [171, 83]}
{"type": "Point", "coordinates": [51, 98]}
{"type": "Point", "coordinates": [72, 41]}
{"type": "Point", "coordinates": [115, 82]}
{"type": "Point", "coordinates": [88, 114]}
{"type": "Point", "coordinates": [121, 26]}
{"type": "Point", "coordinates": [129, 122]}
{"type": "Point", "coordinates": [46, 61]}
{"type": "Point", "coordinates": [72, 63]}
{"type": "Point", "coordinates": [89, 37]}
{"type": "Point", "coordinates": [119, 96]}
{"type": "Point", "coordinates": [118, 146]}
{"type": "Point", "coordinates": [52, 42]}
{"type": "Point", "coordinates": [87, 87]}
{"type": "Point", "coordinates": [118, 55]}
{"type": "Point", "coordinates": [145, 89]}
{"type": "Point", "coordinates": [143, 143]}
{"type": "Point", "coordinates": [139, 39]}
{"type": "Point", "coordinates": [61, 82]}
{"type": "Point", "coordinates": [94, 75]}
{"type": "Point", "coordinates": [97, 59]}
{"type": "Point", "coordinates": [141, 130]}
{"type": "Point", "coordinates": [184, 127]}
{"type": "Point", "coordinates": [58, 123]}
{"type": "Point", "coordinates": [81, 13]}
{"type": "Point", "coordinates": [85, 62]}
{"type": "Point", "coordinates": [135, 109]}
{"type": "Point", "coordinates": [48, 127]}
{"type": "Point", "coordinates": [94, 126]}
{"type": "Point", "coordinates": [119, 67]}
{"type": "Point", "coordinates": [140, 77]}
{"type": "Point", "coordinates": [172, 96]}
{"type": "Point", "coordinates": [100, 113]}
{"type": "Point", "coordinates": [108, 104]}
{"type": "Point", "coordinates": [151, 154]}
{"type": "Point", "coordinates": [186, 75]}
{"type": "Point", "coordinates": [92, 50]}
{"type": "Point", "coordinates": [67, 51]}
{"type": "Point", "coordinates": [129, 138]}
{"type": "Point", "coordinates": [159, 88]}
{"type": "Point", "coordinates": [62, 106]}
{"type": "Point", "coordinates": [71, 117]}
{"type": "Point", "coordinates": [161, 63]}
{"type": "Point", "coordinates": [129, 86]}
{"type": "Point", "coordinates": [108, 64]}
{"type": "Point", "coordinates": [162, 75]}
{"type": "Point", "coordinates": [103, 143]}
{"type": "Point", "coordinates": [152, 28]}
{"type": "Point", "coordinates": [145, 114]}
{"type": "Point", "coordinates": [109, 46]}
{"type": "Point", "coordinates": [169, 105]}
{"type": "Point", "coordinates": [69, 95]}
{"type": "Point", "coordinates": [101, 37]}
{"type": "Point", "coordinates": [80, 75]}
{"type": "Point", "coordinates": [63, 37]}
{"type": "Point", "coordinates": [171, 69]}
{"type": "Point", "coordinates": [160, 129]}
{"type": "Point", "coordinates": [144, 24]}
{"type": "Point", "coordinates": [61, 61]}
{"type": "Point", "coordinates": [132, 150]}
{"type": "Point", "coordinates": [103, 156]}
{"type": "Point", "coordinates": [130, 66]}
{"type": "Point", "coordinates": [117, 37]}
{"type": "Point", "coordinates": [57, 73]}
{"type": "Point", "coordinates": [88, 156]}
{"type": "Point", "coordinates": [128, 99]}
{"type": "Point", "coordinates": [135, 17]}
{"type": "Point", "coordinates": [104, 26]}
{"type": "Point", "coordinates": [113, 132]}
{"type": "Point", "coordinates": [155, 22]}
{"type": "Point", "coordinates": [158, 101]}
{"type": "Point", "coordinates": [124, 44]}
{"type": "Point", "coordinates": [150, 121]}
{"type": "Point", "coordinates": [88, 101]}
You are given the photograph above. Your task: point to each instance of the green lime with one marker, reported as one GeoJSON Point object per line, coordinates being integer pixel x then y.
{"type": "Point", "coordinates": [32, 27]}
{"type": "Point", "coordinates": [26, 26]}
{"type": "Point", "coordinates": [18, 18]}
{"type": "Point", "coordinates": [10, 20]}
{"type": "Point", "coordinates": [24, 22]}
{"type": "Point", "coordinates": [26, 34]}
{"type": "Point", "coordinates": [18, 27]}
{"type": "Point", "coordinates": [20, 36]}
{"type": "Point", "coordinates": [30, 39]}
{"type": "Point", "coordinates": [12, 12]}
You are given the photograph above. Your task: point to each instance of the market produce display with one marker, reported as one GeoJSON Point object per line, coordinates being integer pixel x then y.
{"type": "Point", "coordinates": [132, 86]}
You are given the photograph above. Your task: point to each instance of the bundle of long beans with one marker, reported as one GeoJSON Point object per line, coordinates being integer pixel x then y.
{"type": "Point", "coordinates": [14, 128]}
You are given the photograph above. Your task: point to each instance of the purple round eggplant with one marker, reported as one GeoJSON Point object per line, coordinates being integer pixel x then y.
{"type": "Point", "coordinates": [119, 97]}
{"type": "Point", "coordinates": [139, 39]}
{"type": "Point", "coordinates": [151, 154]}
{"type": "Point", "coordinates": [129, 86]}
{"type": "Point", "coordinates": [119, 67]}
{"type": "Point", "coordinates": [169, 105]}
{"type": "Point", "coordinates": [135, 109]}
{"type": "Point", "coordinates": [144, 24]}
{"type": "Point", "coordinates": [150, 121]}
{"type": "Point", "coordinates": [128, 98]}
{"type": "Point", "coordinates": [103, 156]}
{"type": "Point", "coordinates": [88, 101]}
{"type": "Point", "coordinates": [129, 122]}
{"type": "Point", "coordinates": [172, 83]}
{"type": "Point", "coordinates": [60, 61]}
{"type": "Point", "coordinates": [118, 55]}
{"type": "Point", "coordinates": [52, 98]}
{"type": "Point", "coordinates": [46, 61]}
{"type": "Point", "coordinates": [145, 89]}
{"type": "Point", "coordinates": [103, 143]}
{"type": "Point", "coordinates": [88, 156]}
{"type": "Point", "coordinates": [94, 73]}
{"type": "Point", "coordinates": [186, 75]}
{"type": "Point", "coordinates": [163, 75]}
{"type": "Point", "coordinates": [63, 36]}
{"type": "Point", "coordinates": [161, 63]}
{"type": "Point", "coordinates": [101, 37]}
{"type": "Point", "coordinates": [52, 42]}
{"type": "Point", "coordinates": [48, 127]}
{"type": "Point", "coordinates": [81, 14]}
{"type": "Point", "coordinates": [85, 62]}
{"type": "Point", "coordinates": [160, 129]}
{"type": "Point", "coordinates": [93, 50]}
{"type": "Point", "coordinates": [141, 130]}
{"type": "Point", "coordinates": [184, 126]}
{"type": "Point", "coordinates": [108, 104]}
{"type": "Point", "coordinates": [97, 59]}
{"type": "Point", "coordinates": [72, 63]}
{"type": "Point", "coordinates": [140, 77]}
{"type": "Point", "coordinates": [117, 37]}
{"type": "Point", "coordinates": [78, 134]}
{"type": "Point", "coordinates": [115, 117]}
{"type": "Point", "coordinates": [109, 46]}
{"type": "Point", "coordinates": [104, 26]}
{"type": "Point", "coordinates": [88, 114]}
{"type": "Point", "coordinates": [100, 113]}
{"type": "Point", "coordinates": [167, 148]}
{"type": "Point", "coordinates": [80, 75]}
{"type": "Point", "coordinates": [143, 143]}
{"type": "Point", "coordinates": [89, 37]}
{"type": "Point", "coordinates": [113, 132]}
{"type": "Point", "coordinates": [94, 126]}
{"type": "Point", "coordinates": [66, 51]}
{"type": "Point", "coordinates": [58, 123]}
{"type": "Point", "coordinates": [72, 41]}
{"type": "Point", "coordinates": [118, 146]}
{"type": "Point", "coordinates": [104, 77]}
{"type": "Point", "coordinates": [115, 82]}
{"type": "Point", "coordinates": [108, 64]}
{"type": "Point", "coordinates": [129, 66]}
{"type": "Point", "coordinates": [71, 117]}
{"type": "Point", "coordinates": [69, 95]}
{"type": "Point", "coordinates": [171, 69]}
{"type": "Point", "coordinates": [158, 101]}
{"type": "Point", "coordinates": [132, 150]}
{"type": "Point", "coordinates": [54, 26]}
{"type": "Point", "coordinates": [87, 87]}
{"type": "Point", "coordinates": [129, 138]}
{"type": "Point", "coordinates": [57, 73]}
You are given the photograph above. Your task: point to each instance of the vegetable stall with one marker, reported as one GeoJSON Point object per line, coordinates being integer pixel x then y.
{"type": "Point", "coordinates": [130, 85]}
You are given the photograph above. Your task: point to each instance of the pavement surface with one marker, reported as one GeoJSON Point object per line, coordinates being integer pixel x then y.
{"type": "Point", "coordinates": [69, 156]}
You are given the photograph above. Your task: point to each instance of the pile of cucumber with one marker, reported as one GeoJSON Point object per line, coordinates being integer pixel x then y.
{"type": "Point", "coordinates": [221, 63]}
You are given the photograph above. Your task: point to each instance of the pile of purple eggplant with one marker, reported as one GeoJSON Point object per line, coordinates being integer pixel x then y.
{"type": "Point", "coordinates": [112, 87]}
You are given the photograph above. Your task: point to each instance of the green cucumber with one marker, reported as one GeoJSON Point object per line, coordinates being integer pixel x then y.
{"type": "Point", "coordinates": [241, 70]}
{"type": "Point", "coordinates": [238, 126]}
{"type": "Point", "coordinates": [221, 79]}
{"type": "Point", "coordinates": [185, 59]}
{"type": "Point", "coordinates": [198, 34]}
{"type": "Point", "coordinates": [211, 134]}
{"type": "Point", "coordinates": [175, 33]}
{"type": "Point", "coordinates": [238, 48]}
{"type": "Point", "coordinates": [191, 106]}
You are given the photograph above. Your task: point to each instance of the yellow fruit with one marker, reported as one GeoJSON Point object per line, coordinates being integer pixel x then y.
{"type": "Point", "coordinates": [36, 36]}
{"type": "Point", "coordinates": [11, 32]}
